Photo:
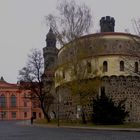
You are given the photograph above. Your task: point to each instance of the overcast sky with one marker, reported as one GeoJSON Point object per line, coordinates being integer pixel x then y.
{"type": "Point", "coordinates": [22, 27]}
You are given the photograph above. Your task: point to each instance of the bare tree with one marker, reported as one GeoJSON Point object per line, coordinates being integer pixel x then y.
{"type": "Point", "coordinates": [73, 21]}
{"type": "Point", "coordinates": [31, 77]}
{"type": "Point", "coordinates": [82, 86]}
{"type": "Point", "coordinates": [79, 70]}
{"type": "Point", "coordinates": [136, 25]}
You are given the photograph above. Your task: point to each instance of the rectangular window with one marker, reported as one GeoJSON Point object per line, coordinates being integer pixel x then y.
{"type": "Point", "coordinates": [3, 114]}
{"type": "Point", "coordinates": [3, 101]}
{"type": "Point", "coordinates": [25, 114]}
{"type": "Point", "coordinates": [14, 115]}
{"type": "Point", "coordinates": [13, 101]}
{"type": "Point", "coordinates": [25, 104]}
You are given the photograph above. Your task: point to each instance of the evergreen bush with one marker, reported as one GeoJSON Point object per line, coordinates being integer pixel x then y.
{"type": "Point", "coordinates": [106, 112]}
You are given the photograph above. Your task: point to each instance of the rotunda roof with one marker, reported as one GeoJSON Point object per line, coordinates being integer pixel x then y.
{"type": "Point", "coordinates": [105, 43]}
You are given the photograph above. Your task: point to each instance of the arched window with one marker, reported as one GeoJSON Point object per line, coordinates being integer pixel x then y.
{"type": "Point", "coordinates": [63, 74]}
{"type": "Point", "coordinates": [13, 101]}
{"type": "Point", "coordinates": [121, 66]}
{"type": "Point", "coordinates": [88, 67]}
{"type": "Point", "coordinates": [102, 91]}
{"type": "Point", "coordinates": [2, 101]}
{"type": "Point", "coordinates": [136, 67]}
{"type": "Point", "coordinates": [105, 66]}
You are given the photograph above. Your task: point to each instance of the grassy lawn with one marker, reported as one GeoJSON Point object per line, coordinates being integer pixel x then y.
{"type": "Point", "coordinates": [75, 123]}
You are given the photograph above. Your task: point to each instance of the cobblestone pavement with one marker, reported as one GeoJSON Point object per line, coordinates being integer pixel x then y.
{"type": "Point", "coordinates": [10, 130]}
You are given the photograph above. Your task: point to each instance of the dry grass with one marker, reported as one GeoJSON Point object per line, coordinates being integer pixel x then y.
{"type": "Point", "coordinates": [78, 123]}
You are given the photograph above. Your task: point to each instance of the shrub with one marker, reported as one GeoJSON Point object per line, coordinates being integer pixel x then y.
{"type": "Point", "coordinates": [106, 112]}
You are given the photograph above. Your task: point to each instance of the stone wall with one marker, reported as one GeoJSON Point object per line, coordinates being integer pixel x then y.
{"type": "Point", "coordinates": [119, 88]}
{"type": "Point", "coordinates": [116, 87]}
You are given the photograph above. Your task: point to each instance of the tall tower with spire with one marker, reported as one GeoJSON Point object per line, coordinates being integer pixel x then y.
{"type": "Point", "coordinates": [50, 57]}
{"type": "Point", "coordinates": [50, 53]}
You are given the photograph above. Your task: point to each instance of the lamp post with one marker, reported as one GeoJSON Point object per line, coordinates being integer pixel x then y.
{"type": "Point", "coordinates": [58, 124]}
{"type": "Point", "coordinates": [58, 109]}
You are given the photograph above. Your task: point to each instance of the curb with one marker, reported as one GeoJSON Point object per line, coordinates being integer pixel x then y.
{"type": "Point", "coordinates": [83, 127]}
{"type": "Point", "coordinates": [104, 128]}
{"type": "Point", "coordinates": [91, 128]}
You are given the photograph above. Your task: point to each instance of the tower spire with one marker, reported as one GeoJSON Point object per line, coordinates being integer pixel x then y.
{"type": "Point", "coordinates": [51, 39]}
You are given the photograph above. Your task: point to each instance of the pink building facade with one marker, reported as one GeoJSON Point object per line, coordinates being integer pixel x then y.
{"type": "Point", "coordinates": [14, 105]}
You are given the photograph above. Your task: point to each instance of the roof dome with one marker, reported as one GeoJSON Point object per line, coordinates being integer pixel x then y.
{"type": "Point", "coordinates": [50, 39]}
{"type": "Point", "coordinates": [50, 35]}
{"type": "Point", "coordinates": [102, 44]}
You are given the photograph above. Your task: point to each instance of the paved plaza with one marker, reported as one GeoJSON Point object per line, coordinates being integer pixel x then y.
{"type": "Point", "coordinates": [21, 131]}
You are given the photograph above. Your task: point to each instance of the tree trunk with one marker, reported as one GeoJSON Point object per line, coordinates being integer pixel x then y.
{"type": "Point", "coordinates": [82, 110]}
{"type": "Point", "coordinates": [83, 116]}
{"type": "Point", "coordinates": [45, 112]}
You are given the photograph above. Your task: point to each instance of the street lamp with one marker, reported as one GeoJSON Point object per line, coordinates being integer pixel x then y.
{"type": "Point", "coordinates": [58, 111]}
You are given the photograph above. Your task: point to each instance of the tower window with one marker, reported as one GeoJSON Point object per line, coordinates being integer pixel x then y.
{"type": "Point", "coordinates": [136, 67]}
{"type": "Point", "coordinates": [121, 66]}
{"type": "Point", "coordinates": [105, 66]}
{"type": "Point", "coordinates": [25, 114]}
{"type": "Point", "coordinates": [88, 67]}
